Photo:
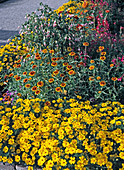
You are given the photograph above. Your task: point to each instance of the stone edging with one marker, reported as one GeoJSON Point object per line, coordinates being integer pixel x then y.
{"type": "Point", "coordinates": [7, 167]}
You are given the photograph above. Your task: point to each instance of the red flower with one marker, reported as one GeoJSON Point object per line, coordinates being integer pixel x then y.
{"type": "Point", "coordinates": [89, 18]}
{"type": "Point", "coordinates": [79, 26]}
{"type": "Point", "coordinates": [76, 16]}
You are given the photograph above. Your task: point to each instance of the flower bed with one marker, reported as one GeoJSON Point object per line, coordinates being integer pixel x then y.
{"type": "Point", "coordinates": [64, 104]}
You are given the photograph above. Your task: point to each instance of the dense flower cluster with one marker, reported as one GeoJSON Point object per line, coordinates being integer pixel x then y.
{"type": "Point", "coordinates": [62, 133]}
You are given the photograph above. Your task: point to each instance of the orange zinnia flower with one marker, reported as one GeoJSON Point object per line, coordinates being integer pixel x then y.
{"type": "Point", "coordinates": [56, 72]}
{"type": "Point", "coordinates": [37, 55]}
{"type": "Point", "coordinates": [65, 64]}
{"type": "Point", "coordinates": [85, 5]}
{"type": "Point", "coordinates": [98, 78]}
{"type": "Point", "coordinates": [85, 44]}
{"type": "Point", "coordinates": [62, 75]}
{"type": "Point", "coordinates": [114, 78]}
{"type": "Point", "coordinates": [102, 58]}
{"type": "Point", "coordinates": [28, 56]}
{"type": "Point", "coordinates": [61, 58]}
{"type": "Point", "coordinates": [34, 66]}
{"type": "Point", "coordinates": [97, 51]}
{"type": "Point", "coordinates": [40, 83]}
{"type": "Point", "coordinates": [15, 76]}
{"type": "Point", "coordinates": [15, 65]}
{"type": "Point", "coordinates": [62, 84]}
{"type": "Point", "coordinates": [27, 85]}
{"type": "Point", "coordinates": [18, 78]}
{"type": "Point", "coordinates": [34, 88]}
{"type": "Point", "coordinates": [19, 65]}
{"type": "Point", "coordinates": [101, 48]}
{"type": "Point", "coordinates": [91, 78]}
{"type": "Point", "coordinates": [103, 53]}
{"type": "Point", "coordinates": [38, 58]}
{"type": "Point", "coordinates": [51, 51]}
{"type": "Point", "coordinates": [44, 51]}
{"type": "Point", "coordinates": [81, 63]}
{"type": "Point", "coordinates": [37, 92]}
{"type": "Point", "coordinates": [102, 83]}
{"type": "Point", "coordinates": [32, 73]}
{"type": "Point", "coordinates": [91, 67]}
{"type": "Point", "coordinates": [51, 80]}
{"type": "Point", "coordinates": [24, 73]}
{"type": "Point", "coordinates": [71, 72]}
{"type": "Point", "coordinates": [53, 64]}
{"type": "Point", "coordinates": [25, 80]}
{"type": "Point", "coordinates": [92, 61]}
{"type": "Point", "coordinates": [4, 94]}
{"type": "Point", "coordinates": [69, 67]}
{"type": "Point", "coordinates": [66, 78]}
{"type": "Point", "coordinates": [18, 61]}
{"type": "Point", "coordinates": [7, 98]}
{"type": "Point", "coordinates": [111, 65]}
{"type": "Point", "coordinates": [32, 62]}
{"type": "Point", "coordinates": [58, 89]}
{"type": "Point", "coordinates": [11, 75]}
{"type": "Point", "coordinates": [48, 103]}
{"type": "Point", "coordinates": [72, 53]}
{"type": "Point", "coordinates": [19, 94]}
{"type": "Point", "coordinates": [53, 59]}
{"type": "Point", "coordinates": [107, 11]}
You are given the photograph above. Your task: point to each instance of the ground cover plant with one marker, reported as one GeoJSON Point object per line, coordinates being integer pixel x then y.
{"type": "Point", "coordinates": [64, 76]}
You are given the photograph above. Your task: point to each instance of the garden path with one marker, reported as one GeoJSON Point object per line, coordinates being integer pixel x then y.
{"type": "Point", "coordinates": [13, 12]}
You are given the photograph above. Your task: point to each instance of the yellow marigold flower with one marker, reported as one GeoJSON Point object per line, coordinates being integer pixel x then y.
{"type": "Point", "coordinates": [118, 123]}
{"type": "Point", "coordinates": [4, 159]}
{"type": "Point", "coordinates": [30, 168]}
{"type": "Point", "coordinates": [93, 160]}
{"type": "Point", "coordinates": [121, 155]}
{"type": "Point", "coordinates": [63, 162]}
{"type": "Point", "coordinates": [72, 160]}
{"type": "Point", "coordinates": [10, 160]}
{"type": "Point", "coordinates": [17, 158]}
{"type": "Point", "coordinates": [109, 164]}
{"type": "Point", "coordinates": [41, 161]}
{"type": "Point", "coordinates": [11, 141]}
{"type": "Point", "coordinates": [5, 149]}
